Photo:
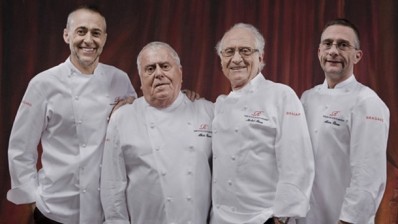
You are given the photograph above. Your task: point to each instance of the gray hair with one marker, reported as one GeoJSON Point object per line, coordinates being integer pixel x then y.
{"type": "Point", "coordinates": [258, 37]}
{"type": "Point", "coordinates": [156, 45]}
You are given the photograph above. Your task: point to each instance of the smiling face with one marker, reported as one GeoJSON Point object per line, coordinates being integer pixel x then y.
{"type": "Point", "coordinates": [86, 35]}
{"type": "Point", "coordinates": [161, 76]}
{"type": "Point", "coordinates": [337, 64]}
{"type": "Point", "coordinates": [237, 68]}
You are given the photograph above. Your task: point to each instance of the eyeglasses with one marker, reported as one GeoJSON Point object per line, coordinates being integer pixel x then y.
{"type": "Point", "coordinates": [341, 45]}
{"type": "Point", "coordinates": [243, 51]}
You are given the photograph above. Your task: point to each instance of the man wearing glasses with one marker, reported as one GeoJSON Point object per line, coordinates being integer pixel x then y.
{"type": "Point", "coordinates": [263, 165]}
{"type": "Point", "coordinates": [348, 124]}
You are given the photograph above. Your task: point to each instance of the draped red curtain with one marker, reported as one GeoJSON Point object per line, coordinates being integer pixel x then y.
{"type": "Point", "coordinates": [31, 41]}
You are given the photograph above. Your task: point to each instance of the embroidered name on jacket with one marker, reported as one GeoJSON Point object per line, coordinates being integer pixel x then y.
{"type": "Point", "coordinates": [256, 117]}
{"type": "Point", "coordinates": [334, 118]}
{"type": "Point", "coordinates": [203, 131]}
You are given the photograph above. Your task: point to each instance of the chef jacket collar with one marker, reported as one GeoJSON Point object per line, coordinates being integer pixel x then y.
{"type": "Point", "coordinates": [174, 105]}
{"type": "Point", "coordinates": [342, 85]}
{"type": "Point", "coordinates": [74, 70]}
{"type": "Point", "coordinates": [250, 87]}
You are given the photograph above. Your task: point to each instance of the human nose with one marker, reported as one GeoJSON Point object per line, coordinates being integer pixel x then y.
{"type": "Point", "coordinates": [88, 38]}
{"type": "Point", "coordinates": [158, 72]}
{"type": "Point", "coordinates": [236, 57]}
{"type": "Point", "coordinates": [333, 49]}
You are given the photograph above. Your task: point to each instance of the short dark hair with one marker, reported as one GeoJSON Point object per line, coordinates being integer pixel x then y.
{"type": "Point", "coordinates": [343, 22]}
{"type": "Point", "coordinates": [89, 7]}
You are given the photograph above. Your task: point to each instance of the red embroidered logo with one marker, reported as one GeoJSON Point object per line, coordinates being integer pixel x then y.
{"type": "Point", "coordinates": [257, 113]}
{"type": "Point", "coordinates": [334, 113]}
{"type": "Point", "coordinates": [293, 113]}
{"type": "Point", "coordinates": [26, 103]}
{"type": "Point", "coordinates": [374, 118]}
{"type": "Point", "coordinates": [203, 127]}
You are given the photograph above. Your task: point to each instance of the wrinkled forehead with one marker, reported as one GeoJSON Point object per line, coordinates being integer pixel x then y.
{"type": "Point", "coordinates": [339, 32]}
{"type": "Point", "coordinates": [238, 37]}
{"type": "Point", "coordinates": [156, 55]}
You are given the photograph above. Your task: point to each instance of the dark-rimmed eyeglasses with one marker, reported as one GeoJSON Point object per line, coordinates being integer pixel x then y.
{"type": "Point", "coordinates": [243, 51]}
{"type": "Point", "coordinates": [340, 45]}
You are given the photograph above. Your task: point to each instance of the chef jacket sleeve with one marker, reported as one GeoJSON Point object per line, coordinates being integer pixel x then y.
{"type": "Point", "coordinates": [369, 134]}
{"type": "Point", "coordinates": [294, 158]}
{"type": "Point", "coordinates": [28, 126]}
{"type": "Point", "coordinates": [114, 177]}
{"type": "Point", "coordinates": [130, 89]}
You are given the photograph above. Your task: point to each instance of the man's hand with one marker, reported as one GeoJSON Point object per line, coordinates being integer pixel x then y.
{"type": "Point", "coordinates": [191, 94]}
{"type": "Point", "coordinates": [279, 220]}
{"type": "Point", "coordinates": [33, 206]}
{"type": "Point", "coordinates": [120, 102]}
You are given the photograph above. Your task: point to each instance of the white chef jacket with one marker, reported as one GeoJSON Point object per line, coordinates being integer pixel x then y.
{"type": "Point", "coordinates": [349, 130]}
{"type": "Point", "coordinates": [262, 157]}
{"type": "Point", "coordinates": [156, 164]}
{"type": "Point", "coordinates": [67, 112]}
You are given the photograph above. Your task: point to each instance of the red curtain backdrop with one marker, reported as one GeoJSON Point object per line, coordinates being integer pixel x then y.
{"type": "Point", "coordinates": [31, 41]}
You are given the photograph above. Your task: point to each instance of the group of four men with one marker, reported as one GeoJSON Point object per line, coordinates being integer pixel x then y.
{"type": "Point", "coordinates": [258, 155]}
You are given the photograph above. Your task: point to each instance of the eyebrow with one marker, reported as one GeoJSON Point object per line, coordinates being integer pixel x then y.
{"type": "Point", "coordinates": [337, 40]}
{"type": "Point", "coordinates": [86, 28]}
{"type": "Point", "coordinates": [158, 63]}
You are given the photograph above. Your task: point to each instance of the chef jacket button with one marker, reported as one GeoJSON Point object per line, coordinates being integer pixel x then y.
{"type": "Point", "coordinates": [215, 131]}
{"type": "Point", "coordinates": [157, 149]}
{"type": "Point", "coordinates": [84, 145]}
{"type": "Point", "coordinates": [84, 190]}
{"type": "Point", "coordinates": [99, 189]}
{"type": "Point", "coordinates": [229, 182]}
{"type": "Point", "coordinates": [236, 130]}
{"type": "Point", "coordinates": [189, 123]}
{"type": "Point", "coordinates": [233, 209]}
{"type": "Point", "coordinates": [189, 172]}
{"type": "Point", "coordinates": [163, 173]}
{"type": "Point", "coordinates": [191, 148]}
{"type": "Point", "coordinates": [169, 199]}
{"type": "Point", "coordinates": [233, 157]}
{"type": "Point", "coordinates": [76, 97]}
{"type": "Point", "coordinates": [316, 130]}
{"type": "Point", "coordinates": [217, 206]}
{"type": "Point", "coordinates": [79, 121]}
{"type": "Point", "coordinates": [189, 198]}
{"type": "Point", "coordinates": [214, 180]}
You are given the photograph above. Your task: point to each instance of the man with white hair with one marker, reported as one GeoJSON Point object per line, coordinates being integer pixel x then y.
{"type": "Point", "coordinates": [263, 165]}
